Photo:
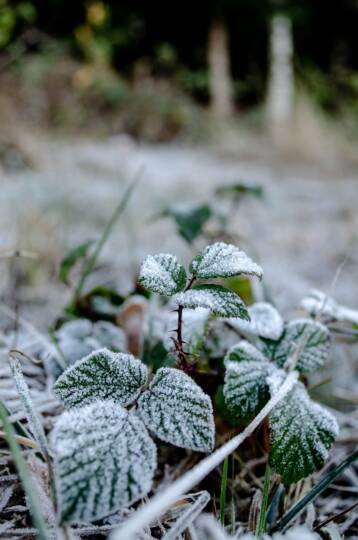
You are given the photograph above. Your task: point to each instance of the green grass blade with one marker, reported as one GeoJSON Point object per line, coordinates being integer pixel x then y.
{"type": "Point", "coordinates": [315, 491]}
{"type": "Point", "coordinates": [223, 490]}
{"type": "Point", "coordinates": [88, 269]}
{"type": "Point", "coordinates": [261, 525]}
{"type": "Point", "coordinates": [29, 488]}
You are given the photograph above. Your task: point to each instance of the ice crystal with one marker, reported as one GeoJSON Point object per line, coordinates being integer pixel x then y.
{"type": "Point", "coordinates": [308, 339]}
{"type": "Point", "coordinates": [104, 461]}
{"type": "Point", "coordinates": [177, 411]}
{"type": "Point", "coordinates": [220, 301]}
{"type": "Point", "coordinates": [102, 375]}
{"type": "Point", "coordinates": [162, 274]}
{"type": "Point", "coordinates": [246, 390]}
{"type": "Point", "coordinates": [301, 434]}
{"type": "Point", "coordinates": [223, 260]}
{"type": "Point", "coordinates": [244, 351]}
{"type": "Point", "coordinates": [265, 321]}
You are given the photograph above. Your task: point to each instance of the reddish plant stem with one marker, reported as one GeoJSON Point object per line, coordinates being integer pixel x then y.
{"type": "Point", "coordinates": [182, 355]}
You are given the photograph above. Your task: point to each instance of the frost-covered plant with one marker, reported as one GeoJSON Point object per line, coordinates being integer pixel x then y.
{"type": "Point", "coordinates": [79, 337]}
{"type": "Point", "coordinates": [301, 431]}
{"type": "Point", "coordinates": [163, 274]}
{"type": "Point", "coordinates": [105, 458]}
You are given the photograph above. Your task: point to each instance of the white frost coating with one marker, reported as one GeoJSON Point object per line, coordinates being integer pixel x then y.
{"type": "Point", "coordinates": [201, 499]}
{"type": "Point", "coordinates": [220, 301]}
{"type": "Point", "coordinates": [177, 410]}
{"type": "Point", "coordinates": [162, 274]}
{"type": "Point", "coordinates": [246, 390]}
{"type": "Point", "coordinates": [32, 416]}
{"type": "Point", "coordinates": [301, 434]}
{"type": "Point", "coordinates": [265, 322]}
{"type": "Point", "coordinates": [163, 500]}
{"type": "Point", "coordinates": [195, 322]}
{"type": "Point", "coordinates": [104, 461]}
{"type": "Point", "coordinates": [102, 375]}
{"type": "Point", "coordinates": [223, 260]}
{"type": "Point", "coordinates": [78, 338]}
{"type": "Point", "coordinates": [244, 351]}
{"type": "Point", "coordinates": [317, 303]}
{"type": "Point", "coordinates": [109, 335]}
{"type": "Point", "coordinates": [308, 339]}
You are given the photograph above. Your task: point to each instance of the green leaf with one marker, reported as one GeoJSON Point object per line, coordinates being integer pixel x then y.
{"type": "Point", "coordinates": [244, 351]}
{"type": "Point", "coordinates": [301, 434]}
{"type": "Point", "coordinates": [77, 253]}
{"type": "Point", "coordinates": [220, 301]}
{"type": "Point", "coordinates": [189, 220]}
{"type": "Point", "coordinates": [177, 411]}
{"type": "Point", "coordinates": [102, 375]}
{"type": "Point", "coordinates": [223, 260]}
{"type": "Point", "coordinates": [162, 274]}
{"type": "Point", "coordinates": [241, 189]}
{"type": "Point", "coordinates": [309, 339]}
{"type": "Point", "coordinates": [246, 390]}
{"type": "Point", "coordinates": [104, 461]}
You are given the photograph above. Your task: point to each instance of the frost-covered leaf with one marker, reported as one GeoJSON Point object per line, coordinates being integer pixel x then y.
{"type": "Point", "coordinates": [194, 327]}
{"type": "Point", "coordinates": [244, 351]}
{"type": "Point", "coordinates": [76, 328]}
{"type": "Point", "coordinates": [301, 434]}
{"type": "Point", "coordinates": [246, 390]}
{"type": "Point", "coordinates": [309, 339]}
{"type": "Point", "coordinates": [218, 299]}
{"type": "Point", "coordinates": [104, 461]}
{"type": "Point", "coordinates": [109, 335]}
{"type": "Point", "coordinates": [223, 260]}
{"type": "Point", "coordinates": [102, 375]}
{"type": "Point", "coordinates": [162, 274]}
{"type": "Point", "coordinates": [177, 410]}
{"type": "Point", "coordinates": [317, 303]}
{"type": "Point", "coordinates": [265, 321]}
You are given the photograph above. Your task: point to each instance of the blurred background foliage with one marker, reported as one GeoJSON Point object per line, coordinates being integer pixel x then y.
{"type": "Point", "coordinates": [149, 60]}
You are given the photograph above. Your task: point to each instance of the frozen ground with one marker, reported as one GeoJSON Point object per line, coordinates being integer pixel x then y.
{"type": "Point", "coordinates": [301, 233]}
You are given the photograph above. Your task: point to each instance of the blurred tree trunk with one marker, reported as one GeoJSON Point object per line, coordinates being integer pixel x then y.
{"type": "Point", "coordinates": [220, 85]}
{"type": "Point", "coordinates": [280, 99]}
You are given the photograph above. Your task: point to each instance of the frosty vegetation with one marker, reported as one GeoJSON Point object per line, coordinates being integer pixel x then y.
{"type": "Point", "coordinates": [119, 409]}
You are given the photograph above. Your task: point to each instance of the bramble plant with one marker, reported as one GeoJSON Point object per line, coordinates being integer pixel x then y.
{"type": "Point", "coordinates": [104, 453]}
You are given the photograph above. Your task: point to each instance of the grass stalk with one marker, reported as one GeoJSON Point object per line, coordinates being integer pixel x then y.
{"type": "Point", "coordinates": [29, 488]}
{"type": "Point", "coordinates": [89, 267]}
{"type": "Point", "coordinates": [261, 524]}
{"type": "Point", "coordinates": [223, 489]}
